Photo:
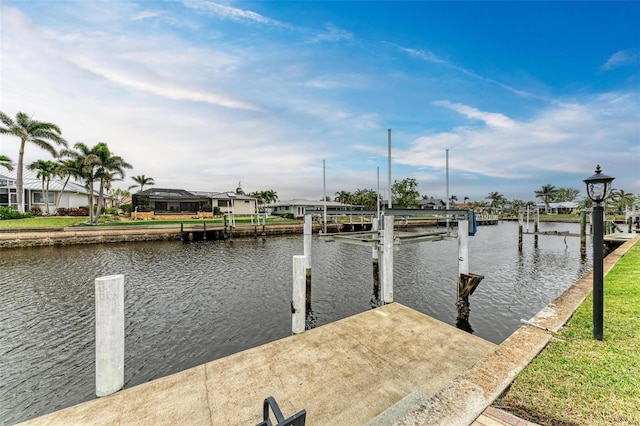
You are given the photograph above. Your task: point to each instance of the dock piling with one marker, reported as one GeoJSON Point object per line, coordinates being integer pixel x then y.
{"type": "Point", "coordinates": [386, 278]}
{"type": "Point", "coordinates": [109, 300]}
{"type": "Point", "coordinates": [467, 283]}
{"type": "Point", "coordinates": [520, 230]}
{"type": "Point", "coordinates": [308, 230]}
{"type": "Point", "coordinates": [375, 255]}
{"type": "Point", "coordinates": [583, 233]}
{"type": "Point", "coordinates": [298, 311]}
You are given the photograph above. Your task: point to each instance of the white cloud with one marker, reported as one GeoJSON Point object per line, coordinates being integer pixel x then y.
{"type": "Point", "coordinates": [621, 58]}
{"type": "Point", "coordinates": [231, 13]}
{"type": "Point", "coordinates": [333, 34]}
{"type": "Point", "coordinates": [559, 139]}
{"type": "Point", "coordinates": [490, 119]}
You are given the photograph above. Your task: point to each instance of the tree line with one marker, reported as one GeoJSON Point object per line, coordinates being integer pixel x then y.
{"type": "Point", "coordinates": [91, 165]}
{"type": "Point", "coordinates": [404, 194]}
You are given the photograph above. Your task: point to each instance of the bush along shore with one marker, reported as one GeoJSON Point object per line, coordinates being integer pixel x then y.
{"type": "Point", "coordinates": [577, 380]}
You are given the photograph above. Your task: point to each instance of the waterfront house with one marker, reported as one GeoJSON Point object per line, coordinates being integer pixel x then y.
{"type": "Point", "coordinates": [565, 207]}
{"type": "Point", "coordinates": [166, 201]}
{"type": "Point", "coordinates": [231, 202]}
{"type": "Point", "coordinates": [433, 204]}
{"type": "Point", "coordinates": [299, 207]}
{"type": "Point", "coordinates": [71, 195]}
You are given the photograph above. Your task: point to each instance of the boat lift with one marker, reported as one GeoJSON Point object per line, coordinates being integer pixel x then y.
{"type": "Point", "coordinates": [383, 241]}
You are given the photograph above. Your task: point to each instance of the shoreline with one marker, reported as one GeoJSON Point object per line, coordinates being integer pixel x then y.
{"type": "Point", "coordinates": [78, 235]}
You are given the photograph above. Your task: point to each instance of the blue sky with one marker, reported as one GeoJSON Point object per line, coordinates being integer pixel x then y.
{"type": "Point", "coordinates": [202, 95]}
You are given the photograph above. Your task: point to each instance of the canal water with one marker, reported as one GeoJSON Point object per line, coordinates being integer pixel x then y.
{"type": "Point", "coordinates": [187, 304]}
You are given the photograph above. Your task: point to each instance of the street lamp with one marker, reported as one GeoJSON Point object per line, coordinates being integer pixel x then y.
{"type": "Point", "coordinates": [597, 187]}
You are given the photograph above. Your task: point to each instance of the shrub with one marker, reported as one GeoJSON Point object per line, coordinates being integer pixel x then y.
{"type": "Point", "coordinates": [36, 211]}
{"type": "Point", "coordinates": [126, 208]}
{"type": "Point", "coordinates": [284, 215]}
{"type": "Point", "coordinates": [216, 210]}
{"type": "Point", "coordinates": [81, 211]}
{"type": "Point", "coordinates": [7, 213]}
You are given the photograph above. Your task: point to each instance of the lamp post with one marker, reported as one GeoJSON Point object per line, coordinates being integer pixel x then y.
{"type": "Point", "coordinates": [597, 187]}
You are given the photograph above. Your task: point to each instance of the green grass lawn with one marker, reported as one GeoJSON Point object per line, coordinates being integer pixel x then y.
{"type": "Point", "coordinates": [577, 380]}
{"type": "Point", "coordinates": [42, 222]}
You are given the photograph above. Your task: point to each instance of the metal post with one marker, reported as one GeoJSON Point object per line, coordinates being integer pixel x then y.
{"type": "Point", "coordinates": [298, 311]}
{"type": "Point", "coordinates": [389, 167]}
{"type": "Point", "coordinates": [109, 299]}
{"type": "Point", "coordinates": [324, 197]}
{"type": "Point", "coordinates": [598, 287]}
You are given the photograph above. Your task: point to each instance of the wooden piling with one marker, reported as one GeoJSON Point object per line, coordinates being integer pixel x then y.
{"type": "Point", "coordinates": [467, 284]}
{"type": "Point", "coordinates": [375, 258]}
{"type": "Point", "coordinates": [583, 233]}
{"type": "Point", "coordinates": [109, 305]}
{"type": "Point", "coordinates": [520, 231]}
{"type": "Point", "coordinates": [536, 228]}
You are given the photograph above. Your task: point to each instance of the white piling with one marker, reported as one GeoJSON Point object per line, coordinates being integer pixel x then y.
{"type": "Point", "coordinates": [308, 230]}
{"type": "Point", "coordinates": [386, 267]}
{"type": "Point", "coordinates": [374, 228]}
{"type": "Point", "coordinates": [463, 247]}
{"type": "Point", "coordinates": [307, 240]}
{"type": "Point", "coordinates": [298, 310]}
{"type": "Point", "coordinates": [109, 296]}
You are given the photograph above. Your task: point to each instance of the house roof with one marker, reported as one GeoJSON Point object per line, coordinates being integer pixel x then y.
{"type": "Point", "coordinates": [228, 195]}
{"type": "Point", "coordinates": [31, 181]}
{"type": "Point", "coordinates": [182, 194]}
{"type": "Point", "coordinates": [432, 201]}
{"type": "Point", "coordinates": [306, 203]}
{"type": "Point", "coordinates": [167, 193]}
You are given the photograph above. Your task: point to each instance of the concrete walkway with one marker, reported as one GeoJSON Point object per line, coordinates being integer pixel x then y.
{"type": "Point", "coordinates": [344, 373]}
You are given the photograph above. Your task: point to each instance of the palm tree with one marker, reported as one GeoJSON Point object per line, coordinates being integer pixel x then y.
{"type": "Point", "coordinates": [107, 167]}
{"type": "Point", "coordinates": [37, 132]}
{"type": "Point", "coordinates": [270, 196]}
{"type": "Point", "coordinates": [142, 180]}
{"type": "Point", "coordinates": [67, 169]}
{"type": "Point", "coordinates": [45, 170]}
{"type": "Point", "coordinates": [497, 200]}
{"type": "Point", "coordinates": [548, 193]}
{"type": "Point", "coordinates": [6, 162]}
{"type": "Point", "coordinates": [343, 197]}
{"type": "Point", "coordinates": [621, 199]}
{"type": "Point", "coordinates": [84, 160]}
{"type": "Point", "coordinates": [96, 164]}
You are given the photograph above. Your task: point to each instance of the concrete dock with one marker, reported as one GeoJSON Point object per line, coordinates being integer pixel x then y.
{"type": "Point", "coordinates": [344, 373]}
